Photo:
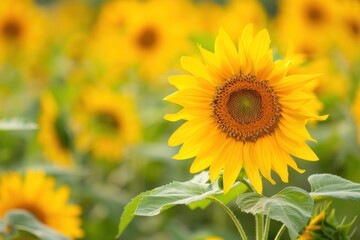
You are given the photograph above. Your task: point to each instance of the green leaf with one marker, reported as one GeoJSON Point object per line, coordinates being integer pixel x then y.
{"type": "Point", "coordinates": [292, 206]}
{"type": "Point", "coordinates": [23, 221]}
{"type": "Point", "coordinates": [332, 186]}
{"type": "Point", "coordinates": [128, 214]}
{"type": "Point", "coordinates": [194, 193]}
{"type": "Point", "coordinates": [16, 124]}
{"type": "Point", "coordinates": [176, 193]}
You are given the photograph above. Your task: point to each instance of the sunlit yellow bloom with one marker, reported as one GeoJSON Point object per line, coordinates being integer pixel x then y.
{"type": "Point", "coordinates": [149, 35]}
{"type": "Point", "coordinates": [22, 30]}
{"type": "Point", "coordinates": [106, 123]}
{"type": "Point", "coordinates": [356, 112]}
{"type": "Point", "coordinates": [348, 32]}
{"type": "Point", "coordinates": [243, 12]}
{"type": "Point", "coordinates": [314, 225]}
{"type": "Point", "coordinates": [52, 132]}
{"type": "Point", "coordinates": [233, 16]}
{"type": "Point", "coordinates": [36, 193]}
{"type": "Point", "coordinates": [242, 110]}
{"type": "Point", "coordinates": [213, 238]}
{"type": "Point", "coordinates": [307, 24]}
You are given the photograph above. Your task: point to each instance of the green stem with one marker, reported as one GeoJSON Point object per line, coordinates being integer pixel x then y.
{"type": "Point", "coordinates": [233, 217]}
{"type": "Point", "coordinates": [259, 219]}
{"type": "Point", "coordinates": [248, 185]}
{"type": "Point", "coordinates": [280, 233]}
{"type": "Point", "coordinates": [266, 229]}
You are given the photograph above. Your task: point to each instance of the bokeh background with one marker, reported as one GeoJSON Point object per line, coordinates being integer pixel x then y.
{"type": "Point", "coordinates": [92, 75]}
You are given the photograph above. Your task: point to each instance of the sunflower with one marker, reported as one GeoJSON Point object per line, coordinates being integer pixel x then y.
{"type": "Point", "coordinates": [307, 24]}
{"type": "Point", "coordinates": [242, 110]}
{"type": "Point", "coordinates": [36, 193]}
{"type": "Point", "coordinates": [349, 29]}
{"type": "Point", "coordinates": [106, 123]}
{"type": "Point", "coordinates": [22, 30]}
{"type": "Point", "coordinates": [356, 112]}
{"type": "Point", "coordinates": [52, 135]}
{"type": "Point", "coordinates": [151, 35]}
{"type": "Point", "coordinates": [314, 225]}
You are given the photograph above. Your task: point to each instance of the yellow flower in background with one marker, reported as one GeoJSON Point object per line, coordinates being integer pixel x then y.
{"type": "Point", "coordinates": [209, 16]}
{"type": "Point", "coordinates": [106, 123]}
{"type": "Point", "coordinates": [22, 30]}
{"type": "Point", "coordinates": [356, 113]}
{"type": "Point", "coordinates": [36, 193]}
{"type": "Point", "coordinates": [307, 24]}
{"type": "Point", "coordinates": [147, 34]}
{"type": "Point", "coordinates": [243, 12]}
{"type": "Point", "coordinates": [52, 134]}
{"type": "Point", "coordinates": [348, 36]}
{"type": "Point", "coordinates": [242, 110]}
{"type": "Point", "coordinates": [316, 224]}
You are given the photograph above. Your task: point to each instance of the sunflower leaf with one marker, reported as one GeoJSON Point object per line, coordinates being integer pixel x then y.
{"type": "Point", "coordinates": [175, 193]}
{"type": "Point", "coordinates": [26, 224]}
{"type": "Point", "coordinates": [193, 193]}
{"type": "Point", "coordinates": [332, 186]}
{"type": "Point", "coordinates": [129, 213]}
{"type": "Point", "coordinates": [292, 206]}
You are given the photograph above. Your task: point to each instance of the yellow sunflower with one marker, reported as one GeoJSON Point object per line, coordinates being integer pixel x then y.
{"type": "Point", "coordinates": [316, 224]}
{"type": "Point", "coordinates": [52, 134]}
{"type": "Point", "coordinates": [36, 193]}
{"type": "Point", "coordinates": [146, 34]}
{"type": "Point", "coordinates": [356, 112]}
{"type": "Point", "coordinates": [242, 110]}
{"type": "Point", "coordinates": [22, 30]}
{"type": "Point", "coordinates": [307, 24]}
{"type": "Point", "coordinates": [348, 35]}
{"type": "Point", "coordinates": [106, 123]}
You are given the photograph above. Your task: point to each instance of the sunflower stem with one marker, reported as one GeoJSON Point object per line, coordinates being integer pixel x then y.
{"type": "Point", "coordinates": [259, 219]}
{"type": "Point", "coordinates": [233, 218]}
{"type": "Point", "coordinates": [248, 185]}
{"type": "Point", "coordinates": [266, 228]}
{"type": "Point", "coordinates": [280, 233]}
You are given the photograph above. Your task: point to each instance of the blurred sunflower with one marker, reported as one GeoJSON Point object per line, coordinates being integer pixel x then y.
{"type": "Point", "coordinates": [356, 113]}
{"type": "Point", "coordinates": [53, 135]}
{"type": "Point", "coordinates": [349, 29]}
{"type": "Point", "coordinates": [106, 123]}
{"type": "Point", "coordinates": [323, 226]}
{"type": "Point", "coordinates": [307, 24]}
{"type": "Point", "coordinates": [36, 193]}
{"type": "Point", "coordinates": [151, 34]}
{"type": "Point", "coordinates": [242, 109]}
{"type": "Point", "coordinates": [22, 30]}
{"type": "Point", "coordinates": [243, 12]}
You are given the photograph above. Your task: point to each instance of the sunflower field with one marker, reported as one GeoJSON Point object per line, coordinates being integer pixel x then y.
{"type": "Point", "coordinates": [101, 101]}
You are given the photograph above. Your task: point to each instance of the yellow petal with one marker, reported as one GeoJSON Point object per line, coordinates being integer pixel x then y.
{"type": "Point", "coordinates": [251, 169]}
{"type": "Point", "coordinates": [188, 130]}
{"type": "Point", "coordinates": [232, 165]}
{"type": "Point", "coordinates": [259, 46]}
{"type": "Point", "coordinates": [226, 48]}
{"type": "Point", "coordinates": [297, 149]}
{"type": "Point", "coordinates": [218, 162]}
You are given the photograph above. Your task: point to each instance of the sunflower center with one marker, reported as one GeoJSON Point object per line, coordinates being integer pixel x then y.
{"type": "Point", "coordinates": [147, 39]}
{"type": "Point", "coordinates": [106, 123]}
{"type": "Point", "coordinates": [11, 29]}
{"type": "Point", "coordinates": [245, 108]}
{"type": "Point", "coordinates": [354, 28]}
{"type": "Point", "coordinates": [315, 15]}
